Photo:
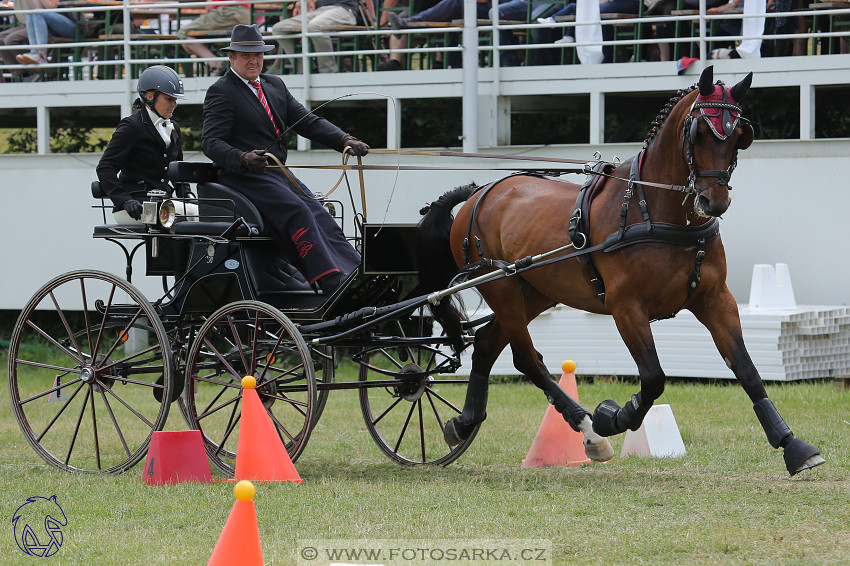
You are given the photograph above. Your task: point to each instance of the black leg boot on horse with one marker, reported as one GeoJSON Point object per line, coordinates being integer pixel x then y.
{"type": "Point", "coordinates": [458, 429]}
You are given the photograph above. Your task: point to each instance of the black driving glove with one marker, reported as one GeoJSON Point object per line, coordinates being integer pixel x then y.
{"type": "Point", "coordinates": [254, 160]}
{"type": "Point", "coordinates": [357, 147]}
{"type": "Point", "coordinates": [133, 208]}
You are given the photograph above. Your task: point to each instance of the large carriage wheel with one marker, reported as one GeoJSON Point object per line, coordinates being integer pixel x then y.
{"type": "Point", "coordinates": [249, 338]}
{"type": "Point", "coordinates": [90, 372]}
{"type": "Point", "coordinates": [406, 421]}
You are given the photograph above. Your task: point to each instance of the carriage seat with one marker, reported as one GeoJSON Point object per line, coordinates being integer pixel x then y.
{"type": "Point", "coordinates": [220, 205]}
{"type": "Point", "coordinates": [108, 230]}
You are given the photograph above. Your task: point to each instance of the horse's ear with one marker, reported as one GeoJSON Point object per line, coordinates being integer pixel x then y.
{"type": "Point", "coordinates": [739, 91]}
{"type": "Point", "coordinates": [706, 81]}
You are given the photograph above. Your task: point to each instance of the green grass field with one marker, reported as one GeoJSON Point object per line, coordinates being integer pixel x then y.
{"type": "Point", "coordinates": [728, 501]}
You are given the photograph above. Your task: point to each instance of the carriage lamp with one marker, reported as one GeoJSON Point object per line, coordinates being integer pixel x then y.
{"type": "Point", "coordinates": [158, 210]}
{"type": "Point", "coordinates": [167, 213]}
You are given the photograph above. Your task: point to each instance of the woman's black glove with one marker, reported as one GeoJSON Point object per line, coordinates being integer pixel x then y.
{"type": "Point", "coordinates": [133, 208]}
{"type": "Point", "coordinates": [254, 160]}
{"type": "Point", "coordinates": [357, 147]}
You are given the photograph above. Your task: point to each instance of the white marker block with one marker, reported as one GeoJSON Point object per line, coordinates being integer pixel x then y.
{"type": "Point", "coordinates": [657, 437]}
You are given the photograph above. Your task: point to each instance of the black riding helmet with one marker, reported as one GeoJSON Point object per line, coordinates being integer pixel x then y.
{"type": "Point", "coordinates": [160, 79]}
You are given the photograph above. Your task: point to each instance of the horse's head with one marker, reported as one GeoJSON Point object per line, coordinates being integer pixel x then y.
{"type": "Point", "coordinates": [712, 132]}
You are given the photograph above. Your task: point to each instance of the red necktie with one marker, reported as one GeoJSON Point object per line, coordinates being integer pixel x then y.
{"type": "Point", "coordinates": [264, 102]}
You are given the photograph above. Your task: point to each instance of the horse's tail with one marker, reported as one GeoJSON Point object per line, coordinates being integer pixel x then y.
{"type": "Point", "coordinates": [436, 264]}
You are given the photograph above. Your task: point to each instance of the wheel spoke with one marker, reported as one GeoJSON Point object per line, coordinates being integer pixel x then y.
{"type": "Point", "coordinates": [103, 323]}
{"type": "Point", "coordinates": [421, 428]}
{"type": "Point", "coordinates": [115, 422]}
{"type": "Point", "coordinates": [231, 426]}
{"type": "Point", "coordinates": [122, 335]}
{"type": "Point", "coordinates": [59, 413]}
{"type": "Point", "coordinates": [64, 320]}
{"type": "Point", "coordinates": [446, 401]}
{"type": "Point", "coordinates": [279, 426]}
{"type": "Point", "coordinates": [404, 428]}
{"type": "Point", "coordinates": [254, 340]}
{"type": "Point", "coordinates": [77, 427]}
{"type": "Point", "coordinates": [233, 373]}
{"type": "Point", "coordinates": [50, 339]}
{"type": "Point", "coordinates": [239, 347]}
{"type": "Point", "coordinates": [386, 412]}
{"type": "Point", "coordinates": [129, 408]}
{"type": "Point", "coordinates": [210, 410]}
{"type": "Point", "coordinates": [94, 432]}
{"type": "Point", "coordinates": [430, 395]}
{"type": "Point", "coordinates": [88, 334]}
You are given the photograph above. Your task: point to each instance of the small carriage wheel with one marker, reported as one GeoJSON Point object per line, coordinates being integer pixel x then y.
{"type": "Point", "coordinates": [406, 421]}
{"type": "Point", "coordinates": [90, 372]}
{"type": "Point", "coordinates": [249, 338]}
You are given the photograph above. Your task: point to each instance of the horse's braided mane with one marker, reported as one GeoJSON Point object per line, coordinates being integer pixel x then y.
{"type": "Point", "coordinates": [665, 112]}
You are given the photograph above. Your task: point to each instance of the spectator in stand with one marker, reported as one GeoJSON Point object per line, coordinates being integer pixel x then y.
{"type": "Point", "coordinates": [320, 13]}
{"type": "Point", "coordinates": [396, 60]}
{"type": "Point", "coordinates": [517, 10]}
{"type": "Point", "coordinates": [443, 11]}
{"type": "Point", "coordinates": [38, 25]}
{"type": "Point", "coordinates": [612, 7]}
{"type": "Point", "coordinates": [137, 157]}
{"type": "Point", "coordinates": [666, 31]}
{"type": "Point", "coordinates": [17, 36]}
{"type": "Point", "coordinates": [216, 18]}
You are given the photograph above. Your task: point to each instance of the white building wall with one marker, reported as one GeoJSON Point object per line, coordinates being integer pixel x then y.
{"type": "Point", "coordinates": [789, 206]}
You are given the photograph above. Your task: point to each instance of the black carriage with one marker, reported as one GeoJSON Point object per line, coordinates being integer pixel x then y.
{"type": "Point", "coordinates": [94, 366]}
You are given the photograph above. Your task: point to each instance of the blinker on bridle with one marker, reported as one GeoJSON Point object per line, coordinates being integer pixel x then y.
{"type": "Point", "coordinates": [730, 114]}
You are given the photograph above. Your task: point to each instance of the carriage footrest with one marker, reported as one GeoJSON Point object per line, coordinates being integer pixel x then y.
{"type": "Point", "coordinates": [118, 230]}
{"type": "Point", "coordinates": [214, 229]}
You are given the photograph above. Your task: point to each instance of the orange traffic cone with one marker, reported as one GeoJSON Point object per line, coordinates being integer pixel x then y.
{"type": "Point", "coordinates": [556, 444]}
{"type": "Point", "coordinates": [239, 542]}
{"type": "Point", "coordinates": [260, 454]}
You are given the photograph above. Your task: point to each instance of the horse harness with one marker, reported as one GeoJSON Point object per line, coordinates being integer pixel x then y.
{"type": "Point", "coordinates": [646, 231]}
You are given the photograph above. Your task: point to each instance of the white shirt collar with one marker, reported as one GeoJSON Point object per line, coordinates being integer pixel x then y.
{"type": "Point", "coordinates": [163, 126]}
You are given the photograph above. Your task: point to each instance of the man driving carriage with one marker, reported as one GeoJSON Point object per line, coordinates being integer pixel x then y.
{"type": "Point", "coordinates": [137, 157]}
{"type": "Point", "coordinates": [244, 111]}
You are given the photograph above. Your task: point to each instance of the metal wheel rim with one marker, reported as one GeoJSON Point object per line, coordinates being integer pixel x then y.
{"type": "Point", "coordinates": [110, 414]}
{"type": "Point", "coordinates": [213, 393]}
{"type": "Point", "coordinates": [418, 425]}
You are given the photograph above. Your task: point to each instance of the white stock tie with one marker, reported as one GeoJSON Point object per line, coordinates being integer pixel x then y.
{"type": "Point", "coordinates": [164, 126]}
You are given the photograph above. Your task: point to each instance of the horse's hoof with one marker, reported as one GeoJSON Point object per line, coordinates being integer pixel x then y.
{"type": "Point", "coordinates": [450, 433]}
{"type": "Point", "coordinates": [600, 451]}
{"type": "Point", "coordinates": [800, 455]}
{"type": "Point", "coordinates": [605, 418]}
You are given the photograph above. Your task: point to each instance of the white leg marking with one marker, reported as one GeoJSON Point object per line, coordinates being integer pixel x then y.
{"type": "Point", "coordinates": [596, 447]}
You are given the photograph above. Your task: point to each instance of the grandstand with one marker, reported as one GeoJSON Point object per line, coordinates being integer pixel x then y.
{"type": "Point", "coordinates": [608, 107]}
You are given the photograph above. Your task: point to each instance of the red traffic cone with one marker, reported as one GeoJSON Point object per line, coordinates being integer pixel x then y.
{"type": "Point", "coordinates": [556, 444]}
{"type": "Point", "coordinates": [239, 542]}
{"type": "Point", "coordinates": [260, 454]}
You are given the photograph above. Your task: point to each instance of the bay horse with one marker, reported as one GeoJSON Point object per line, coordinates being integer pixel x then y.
{"type": "Point", "coordinates": [637, 259]}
